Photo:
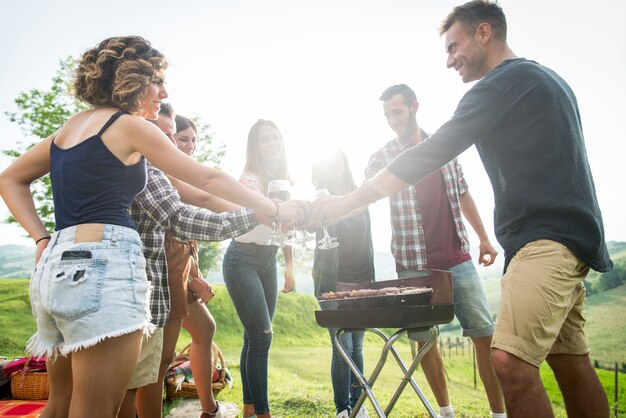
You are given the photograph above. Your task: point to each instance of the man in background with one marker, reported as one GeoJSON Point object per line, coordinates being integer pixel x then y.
{"type": "Point", "coordinates": [428, 233]}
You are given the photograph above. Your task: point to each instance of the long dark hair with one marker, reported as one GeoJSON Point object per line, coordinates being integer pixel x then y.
{"type": "Point", "coordinates": [255, 165]}
{"type": "Point", "coordinates": [324, 173]}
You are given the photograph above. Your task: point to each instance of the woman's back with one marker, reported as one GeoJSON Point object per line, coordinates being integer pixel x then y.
{"type": "Point", "coordinates": [89, 182]}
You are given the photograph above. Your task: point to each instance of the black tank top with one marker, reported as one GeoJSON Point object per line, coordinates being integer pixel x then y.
{"type": "Point", "coordinates": [91, 185]}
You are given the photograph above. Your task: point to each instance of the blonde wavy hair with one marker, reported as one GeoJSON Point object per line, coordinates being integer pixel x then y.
{"type": "Point", "coordinates": [117, 72]}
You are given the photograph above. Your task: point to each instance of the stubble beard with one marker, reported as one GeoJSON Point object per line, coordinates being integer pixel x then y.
{"type": "Point", "coordinates": [411, 128]}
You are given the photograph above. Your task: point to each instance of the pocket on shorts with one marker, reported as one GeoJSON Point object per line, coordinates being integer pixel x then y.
{"type": "Point", "coordinates": [75, 287]}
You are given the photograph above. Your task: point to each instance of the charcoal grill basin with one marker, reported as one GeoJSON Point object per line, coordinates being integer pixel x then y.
{"type": "Point", "coordinates": [418, 316]}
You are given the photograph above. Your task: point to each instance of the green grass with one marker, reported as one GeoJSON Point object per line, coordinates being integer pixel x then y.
{"type": "Point", "coordinates": [606, 326]}
{"type": "Point", "coordinates": [16, 319]}
{"type": "Point", "coordinates": [300, 356]}
{"type": "Point", "coordinates": [294, 322]}
{"type": "Point", "coordinates": [300, 384]}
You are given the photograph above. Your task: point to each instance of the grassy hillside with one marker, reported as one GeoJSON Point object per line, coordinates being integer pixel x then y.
{"type": "Point", "coordinates": [606, 326]}
{"type": "Point", "coordinates": [294, 323]}
{"type": "Point", "coordinates": [300, 355]}
{"type": "Point", "coordinates": [16, 319]}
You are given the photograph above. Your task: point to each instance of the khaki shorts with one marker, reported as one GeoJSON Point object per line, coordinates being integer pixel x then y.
{"type": "Point", "coordinates": [543, 298]}
{"type": "Point", "coordinates": [147, 368]}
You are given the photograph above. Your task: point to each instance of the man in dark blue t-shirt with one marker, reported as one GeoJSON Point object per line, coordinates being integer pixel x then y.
{"type": "Point", "coordinates": [524, 120]}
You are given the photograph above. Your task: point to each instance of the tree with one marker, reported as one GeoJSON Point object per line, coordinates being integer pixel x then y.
{"type": "Point", "coordinates": [612, 279]}
{"type": "Point", "coordinates": [209, 253]}
{"type": "Point", "coordinates": [41, 112]}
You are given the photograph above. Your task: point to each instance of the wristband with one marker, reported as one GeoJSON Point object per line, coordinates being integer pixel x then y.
{"type": "Point", "coordinates": [42, 238]}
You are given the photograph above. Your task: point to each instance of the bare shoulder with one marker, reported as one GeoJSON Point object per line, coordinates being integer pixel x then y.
{"type": "Point", "coordinates": [91, 116]}
{"type": "Point", "coordinates": [134, 134]}
{"type": "Point", "coordinates": [82, 125]}
{"type": "Point", "coordinates": [137, 127]}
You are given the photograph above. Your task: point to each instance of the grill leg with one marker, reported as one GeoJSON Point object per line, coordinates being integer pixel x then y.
{"type": "Point", "coordinates": [367, 386]}
{"type": "Point", "coordinates": [408, 373]}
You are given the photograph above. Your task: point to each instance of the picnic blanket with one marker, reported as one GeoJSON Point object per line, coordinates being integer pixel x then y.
{"type": "Point", "coordinates": [24, 409]}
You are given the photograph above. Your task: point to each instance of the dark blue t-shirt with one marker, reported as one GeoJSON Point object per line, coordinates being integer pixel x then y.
{"type": "Point", "coordinates": [91, 185]}
{"type": "Point", "coordinates": [525, 123]}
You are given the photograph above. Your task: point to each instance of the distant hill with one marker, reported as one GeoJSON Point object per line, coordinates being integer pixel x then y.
{"type": "Point", "coordinates": [16, 261]}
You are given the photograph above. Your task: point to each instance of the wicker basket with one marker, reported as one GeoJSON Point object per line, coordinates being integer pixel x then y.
{"type": "Point", "coordinates": [188, 390]}
{"type": "Point", "coordinates": [30, 386]}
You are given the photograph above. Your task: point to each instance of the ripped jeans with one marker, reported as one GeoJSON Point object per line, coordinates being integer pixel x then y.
{"type": "Point", "coordinates": [250, 276]}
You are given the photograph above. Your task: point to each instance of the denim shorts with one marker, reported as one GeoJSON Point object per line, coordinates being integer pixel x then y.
{"type": "Point", "coordinates": [89, 284]}
{"type": "Point", "coordinates": [470, 303]}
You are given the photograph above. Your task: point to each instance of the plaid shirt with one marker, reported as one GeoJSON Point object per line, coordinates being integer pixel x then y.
{"type": "Point", "coordinates": [158, 209]}
{"type": "Point", "coordinates": [408, 244]}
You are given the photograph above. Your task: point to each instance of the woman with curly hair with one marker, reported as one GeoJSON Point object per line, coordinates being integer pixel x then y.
{"type": "Point", "coordinates": [89, 290]}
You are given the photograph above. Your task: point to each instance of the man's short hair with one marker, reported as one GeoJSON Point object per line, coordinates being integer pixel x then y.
{"type": "Point", "coordinates": [408, 95]}
{"type": "Point", "coordinates": [472, 14]}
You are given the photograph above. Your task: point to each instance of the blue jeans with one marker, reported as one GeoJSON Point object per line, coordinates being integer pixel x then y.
{"type": "Point", "coordinates": [346, 387]}
{"type": "Point", "coordinates": [250, 277]}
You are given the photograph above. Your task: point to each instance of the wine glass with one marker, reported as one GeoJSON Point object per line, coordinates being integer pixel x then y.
{"type": "Point", "coordinates": [298, 235]}
{"type": "Point", "coordinates": [294, 236]}
{"type": "Point", "coordinates": [277, 189]}
{"type": "Point", "coordinates": [327, 242]}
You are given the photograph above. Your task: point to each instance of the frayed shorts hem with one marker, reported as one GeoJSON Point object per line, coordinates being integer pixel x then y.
{"type": "Point", "coordinates": [36, 347]}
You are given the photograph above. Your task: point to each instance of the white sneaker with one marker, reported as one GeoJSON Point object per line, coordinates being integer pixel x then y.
{"type": "Point", "coordinates": [343, 414]}
{"type": "Point", "coordinates": [220, 413]}
{"type": "Point", "coordinates": [363, 413]}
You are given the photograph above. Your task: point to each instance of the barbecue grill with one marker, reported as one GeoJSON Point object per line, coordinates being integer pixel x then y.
{"type": "Point", "coordinates": [407, 313]}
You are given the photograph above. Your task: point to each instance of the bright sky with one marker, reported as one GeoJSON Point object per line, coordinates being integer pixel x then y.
{"type": "Point", "coordinates": [318, 68]}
